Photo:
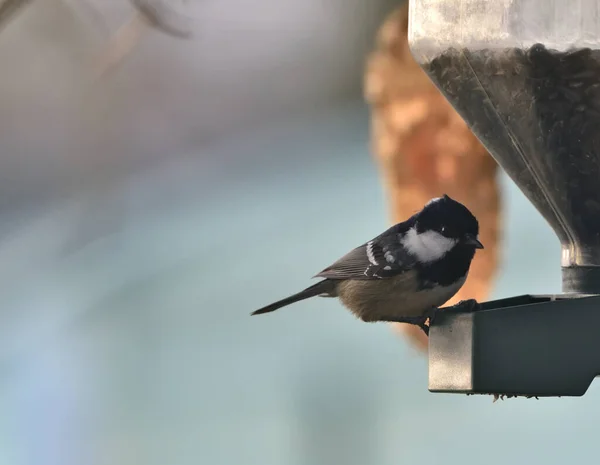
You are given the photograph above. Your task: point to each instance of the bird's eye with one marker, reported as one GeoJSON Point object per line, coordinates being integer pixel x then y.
{"type": "Point", "coordinates": [443, 229]}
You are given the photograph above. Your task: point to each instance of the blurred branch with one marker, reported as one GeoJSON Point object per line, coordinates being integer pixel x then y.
{"type": "Point", "coordinates": [153, 14]}
{"type": "Point", "coordinates": [119, 46]}
{"type": "Point", "coordinates": [150, 13]}
{"type": "Point", "coordinates": [85, 12]}
{"type": "Point", "coordinates": [163, 18]}
{"type": "Point", "coordinates": [9, 8]}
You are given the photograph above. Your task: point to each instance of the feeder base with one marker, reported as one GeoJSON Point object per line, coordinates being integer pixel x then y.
{"type": "Point", "coordinates": [529, 345]}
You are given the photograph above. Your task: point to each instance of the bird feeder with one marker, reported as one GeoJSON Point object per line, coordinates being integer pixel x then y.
{"type": "Point", "coordinates": [525, 76]}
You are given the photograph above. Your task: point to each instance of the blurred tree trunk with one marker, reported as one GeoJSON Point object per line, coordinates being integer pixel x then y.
{"type": "Point", "coordinates": [424, 149]}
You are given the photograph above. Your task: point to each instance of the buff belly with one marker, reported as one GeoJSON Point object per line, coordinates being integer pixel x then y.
{"type": "Point", "coordinates": [386, 299]}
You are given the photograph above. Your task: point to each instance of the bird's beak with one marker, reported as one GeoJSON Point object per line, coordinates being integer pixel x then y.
{"type": "Point", "coordinates": [473, 241]}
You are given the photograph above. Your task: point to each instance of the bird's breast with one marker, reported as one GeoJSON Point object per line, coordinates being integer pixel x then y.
{"type": "Point", "coordinates": [373, 300]}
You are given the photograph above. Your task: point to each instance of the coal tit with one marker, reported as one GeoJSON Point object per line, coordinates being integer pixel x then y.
{"type": "Point", "coordinates": [406, 273]}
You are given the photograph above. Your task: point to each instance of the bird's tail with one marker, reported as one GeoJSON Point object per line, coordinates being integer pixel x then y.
{"type": "Point", "coordinates": [322, 287]}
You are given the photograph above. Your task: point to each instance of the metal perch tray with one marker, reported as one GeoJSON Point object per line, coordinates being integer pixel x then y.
{"type": "Point", "coordinates": [530, 345]}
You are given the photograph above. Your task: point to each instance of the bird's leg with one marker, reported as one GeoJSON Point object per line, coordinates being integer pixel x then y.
{"type": "Point", "coordinates": [413, 320]}
{"type": "Point", "coordinates": [425, 328]}
{"type": "Point", "coordinates": [431, 313]}
{"type": "Point", "coordinates": [469, 305]}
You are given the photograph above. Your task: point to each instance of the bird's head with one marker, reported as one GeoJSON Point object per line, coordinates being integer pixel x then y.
{"type": "Point", "coordinates": [442, 225]}
{"type": "Point", "coordinates": [450, 219]}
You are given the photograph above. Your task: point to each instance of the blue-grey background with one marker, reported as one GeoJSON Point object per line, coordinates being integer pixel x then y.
{"type": "Point", "coordinates": [227, 178]}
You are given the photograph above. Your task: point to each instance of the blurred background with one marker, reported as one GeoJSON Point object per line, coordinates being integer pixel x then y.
{"type": "Point", "coordinates": [164, 172]}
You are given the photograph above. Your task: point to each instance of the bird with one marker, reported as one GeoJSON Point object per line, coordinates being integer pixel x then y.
{"type": "Point", "coordinates": [423, 147]}
{"type": "Point", "coordinates": [407, 272]}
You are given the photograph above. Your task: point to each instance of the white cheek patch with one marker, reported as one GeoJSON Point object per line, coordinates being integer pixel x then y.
{"type": "Point", "coordinates": [428, 246]}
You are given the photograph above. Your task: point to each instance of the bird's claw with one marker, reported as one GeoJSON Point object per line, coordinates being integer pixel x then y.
{"type": "Point", "coordinates": [428, 315]}
{"type": "Point", "coordinates": [469, 305]}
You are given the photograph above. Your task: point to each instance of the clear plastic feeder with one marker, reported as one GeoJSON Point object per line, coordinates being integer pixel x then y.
{"type": "Point", "coordinates": [525, 75]}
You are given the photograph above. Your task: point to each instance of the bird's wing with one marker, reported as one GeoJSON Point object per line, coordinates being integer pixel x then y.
{"type": "Point", "coordinates": [380, 258]}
